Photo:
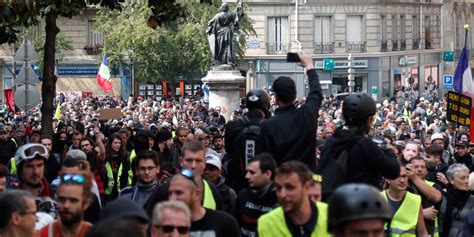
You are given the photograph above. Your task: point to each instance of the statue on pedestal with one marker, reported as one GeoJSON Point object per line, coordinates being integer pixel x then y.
{"type": "Point", "coordinates": [220, 30]}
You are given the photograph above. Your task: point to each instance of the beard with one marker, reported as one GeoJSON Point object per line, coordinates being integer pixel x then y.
{"type": "Point", "coordinates": [70, 219]}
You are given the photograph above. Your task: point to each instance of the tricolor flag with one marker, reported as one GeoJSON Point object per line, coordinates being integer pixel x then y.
{"type": "Point", "coordinates": [463, 79]}
{"type": "Point", "coordinates": [103, 77]}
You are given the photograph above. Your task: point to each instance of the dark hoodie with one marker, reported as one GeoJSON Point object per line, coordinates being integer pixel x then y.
{"type": "Point", "coordinates": [367, 163]}
{"type": "Point", "coordinates": [251, 204]}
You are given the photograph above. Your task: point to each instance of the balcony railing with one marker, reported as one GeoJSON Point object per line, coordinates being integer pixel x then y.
{"type": "Point", "coordinates": [416, 43]}
{"type": "Point", "coordinates": [322, 48]}
{"type": "Point", "coordinates": [277, 48]}
{"type": "Point", "coordinates": [394, 45]}
{"type": "Point", "coordinates": [355, 47]}
{"type": "Point", "coordinates": [383, 46]}
{"type": "Point", "coordinates": [403, 45]}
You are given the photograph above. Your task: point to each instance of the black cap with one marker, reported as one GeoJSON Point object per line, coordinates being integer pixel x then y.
{"type": "Point", "coordinates": [163, 135]}
{"type": "Point", "coordinates": [462, 143]}
{"type": "Point", "coordinates": [124, 208]}
{"type": "Point", "coordinates": [357, 108]}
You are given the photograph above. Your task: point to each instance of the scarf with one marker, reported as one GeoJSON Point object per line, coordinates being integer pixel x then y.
{"type": "Point", "coordinates": [455, 199]}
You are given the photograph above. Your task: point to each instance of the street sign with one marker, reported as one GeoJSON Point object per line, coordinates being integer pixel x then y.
{"type": "Point", "coordinates": [26, 52]}
{"type": "Point", "coordinates": [448, 81]}
{"type": "Point", "coordinates": [32, 96]}
{"type": "Point", "coordinates": [328, 64]}
{"type": "Point", "coordinates": [459, 108]}
{"type": "Point", "coordinates": [375, 91]}
{"type": "Point", "coordinates": [26, 74]}
{"type": "Point", "coordinates": [448, 56]}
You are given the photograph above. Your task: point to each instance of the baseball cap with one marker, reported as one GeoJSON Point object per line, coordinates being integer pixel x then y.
{"type": "Point", "coordinates": [462, 143]}
{"type": "Point", "coordinates": [214, 161]}
{"type": "Point", "coordinates": [124, 208]}
{"type": "Point", "coordinates": [436, 136]}
{"type": "Point", "coordinates": [76, 154]}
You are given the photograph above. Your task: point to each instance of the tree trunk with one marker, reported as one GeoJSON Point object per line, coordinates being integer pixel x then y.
{"type": "Point", "coordinates": [48, 89]}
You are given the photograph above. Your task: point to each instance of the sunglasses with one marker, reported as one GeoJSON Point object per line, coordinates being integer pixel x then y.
{"type": "Point", "coordinates": [170, 228]}
{"type": "Point", "coordinates": [188, 174]}
{"type": "Point", "coordinates": [75, 178]}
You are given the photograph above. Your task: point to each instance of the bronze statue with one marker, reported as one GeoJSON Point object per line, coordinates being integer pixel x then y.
{"type": "Point", "coordinates": [220, 32]}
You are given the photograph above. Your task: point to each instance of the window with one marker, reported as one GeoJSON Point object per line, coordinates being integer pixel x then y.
{"type": "Point", "coordinates": [323, 29]}
{"type": "Point", "coordinates": [395, 27]}
{"type": "Point", "coordinates": [403, 25]}
{"type": "Point", "coordinates": [428, 32]}
{"type": "Point", "coordinates": [323, 35]}
{"type": "Point", "coordinates": [354, 28]}
{"type": "Point", "coordinates": [96, 36]}
{"type": "Point", "coordinates": [383, 28]}
{"type": "Point", "coordinates": [416, 27]}
{"type": "Point", "coordinates": [355, 36]}
{"type": "Point", "coordinates": [277, 35]}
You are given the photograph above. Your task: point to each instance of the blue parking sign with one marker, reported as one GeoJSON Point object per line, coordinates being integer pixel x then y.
{"type": "Point", "coordinates": [448, 81]}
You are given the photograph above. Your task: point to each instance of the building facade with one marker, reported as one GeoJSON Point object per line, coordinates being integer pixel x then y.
{"type": "Point", "coordinates": [390, 41]}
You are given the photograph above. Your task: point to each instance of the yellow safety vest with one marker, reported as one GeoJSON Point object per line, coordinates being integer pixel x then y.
{"type": "Point", "coordinates": [208, 201]}
{"type": "Point", "coordinates": [13, 165]}
{"type": "Point", "coordinates": [404, 221]}
{"type": "Point", "coordinates": [436, 229]}
{"type": "Point", "coordinates": [273, 223]}
{"type": "Point", "coordinates": [110, 177]}
{"type": "Point", "coordinates": [133, 155]}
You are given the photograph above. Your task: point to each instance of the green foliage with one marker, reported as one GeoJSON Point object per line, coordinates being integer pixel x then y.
{"type": "Point", "coordinates": [178, 49]}
{"type": "Point", "coordinates": [63, 43]}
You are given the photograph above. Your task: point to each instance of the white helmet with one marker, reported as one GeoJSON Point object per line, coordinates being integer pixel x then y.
{"type": "Point", "coordinates": [30, 151]}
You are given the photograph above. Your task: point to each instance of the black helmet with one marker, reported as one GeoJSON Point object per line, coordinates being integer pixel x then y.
{"type": "Point", "coordinates": [258, 99]}
{"type": "Point", "coordinates": [357, 108]}
{"type": "Point", "coordinates": [354, 202]}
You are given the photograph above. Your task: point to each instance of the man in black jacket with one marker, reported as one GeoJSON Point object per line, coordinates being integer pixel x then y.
{"type": "Point", "coordinates": [260, 197]}
{"type": "Point", "coordinates": [291, 133]}
{"type": "Point", "coordinates": [366, 161]}
{"type": "Point", "coordinates": [258, 104]}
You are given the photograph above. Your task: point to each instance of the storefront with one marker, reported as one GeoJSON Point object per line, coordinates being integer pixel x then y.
{"type": "Point", "coordinates": [383, 72]}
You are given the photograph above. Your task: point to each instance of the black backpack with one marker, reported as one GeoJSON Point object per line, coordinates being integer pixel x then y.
{"type": "Point", "coordinates": [247, 141]}
{"type": "Point", "coordinates": [334, 173]}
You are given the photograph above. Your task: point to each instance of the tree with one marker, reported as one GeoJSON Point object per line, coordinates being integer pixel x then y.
{"type": "Point", "coordinates": [17, 13]}
{"type": "Point", "coordinates": [178, 50]}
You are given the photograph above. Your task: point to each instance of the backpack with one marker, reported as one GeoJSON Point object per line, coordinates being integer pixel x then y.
{"type": "Point", "coordinates": [247, 141]}
{"type": "Point", "coordinates": [334, 173]}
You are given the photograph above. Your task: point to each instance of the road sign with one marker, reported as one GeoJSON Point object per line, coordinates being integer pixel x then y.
{"type": "Point", "coordinates": [328, 64]}
{"type": "Point", "coordinates": [26, 52]}
{"type": "Point", "coordinates": [448, 56]}
{"type": "Point", "coordinates": [448, 81]}
{"type": "Point", "coordinates": [26, 74]}
{"type": "Point", "coordinates": [32, 96]}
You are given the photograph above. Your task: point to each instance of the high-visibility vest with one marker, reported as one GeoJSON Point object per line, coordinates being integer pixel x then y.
{"type": "Point", "coordinates": [110, 177]}
{"type": "Point", "coordinates": [13, 165]}
{"type": "Point", "coordinates": [208, 200]}
{"type": "Point", "coordinates": [405, 219]}
{"type": "Point", "coordinates": [436, 229]}
{"type": "Point", "coordinates": [273, 223]}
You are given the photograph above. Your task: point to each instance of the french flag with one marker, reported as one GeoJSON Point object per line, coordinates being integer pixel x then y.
{"type": "Point", "coordinates": [103, 77]}
{"type": "Point", "coordinates": [463, 80]}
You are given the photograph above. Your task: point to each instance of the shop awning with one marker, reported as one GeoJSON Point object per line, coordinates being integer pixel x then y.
{"type": "Point", "coordinates": [85, 84]}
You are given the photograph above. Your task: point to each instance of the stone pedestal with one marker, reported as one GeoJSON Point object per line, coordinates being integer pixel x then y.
{"type": "Point", "coordinates": [224, 90]}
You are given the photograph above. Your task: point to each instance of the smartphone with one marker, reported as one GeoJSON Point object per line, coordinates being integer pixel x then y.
{"type": "Point", "coordinates": [292, 58]}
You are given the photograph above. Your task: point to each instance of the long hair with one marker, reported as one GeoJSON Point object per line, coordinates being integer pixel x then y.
{"type": "Point", "coordinates": [108, 150]}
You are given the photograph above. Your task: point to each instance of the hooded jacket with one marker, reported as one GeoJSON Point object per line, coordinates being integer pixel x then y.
{"type": "Point", "coordinates": [367, 163]}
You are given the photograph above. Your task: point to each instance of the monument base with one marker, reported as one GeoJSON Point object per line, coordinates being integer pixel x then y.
{"type": "Point", "coordinates": [224, 90]}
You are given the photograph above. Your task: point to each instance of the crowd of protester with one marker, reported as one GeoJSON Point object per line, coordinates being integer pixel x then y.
{"type": "Point", "coordinates": [169, 166]}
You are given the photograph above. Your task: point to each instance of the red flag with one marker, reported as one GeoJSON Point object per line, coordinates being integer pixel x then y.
{"type": "Point", "coordinates": [103, 77]}
{"type": "Point", "coordinates": [9, 98]}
